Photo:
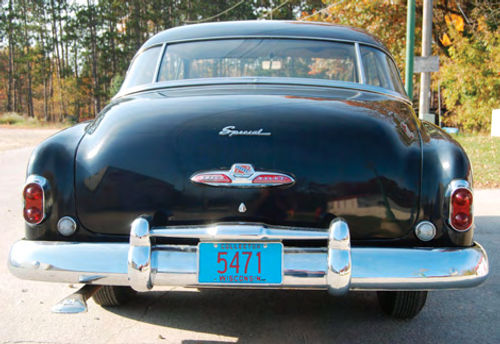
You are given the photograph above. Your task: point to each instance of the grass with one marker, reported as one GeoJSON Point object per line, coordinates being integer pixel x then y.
{"type": "Point", "coordinates": [13, 119]}
{"type": "Point", "coordinates": [484, 153]}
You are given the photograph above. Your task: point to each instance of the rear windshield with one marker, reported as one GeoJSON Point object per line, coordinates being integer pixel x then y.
{"type": "Point", "coordinates": [269, 57]}
{"type": "Point", "coordinates": [259, 58]}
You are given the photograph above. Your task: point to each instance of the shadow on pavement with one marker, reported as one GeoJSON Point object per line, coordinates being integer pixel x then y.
{"type": "Point", "coordinates": [260, 315]}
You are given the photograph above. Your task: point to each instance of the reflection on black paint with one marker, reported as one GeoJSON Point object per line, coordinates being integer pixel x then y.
{"type": "Point", "coordinates": [339, 146]}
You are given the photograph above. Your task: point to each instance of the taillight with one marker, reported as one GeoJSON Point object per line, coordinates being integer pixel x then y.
{"type": "Point", "coordinates": [461, 209]}
{"type": "Point", "coordinates": [277, 179]}
{"type": "Point", "coordinates": [33, 195]}
{"type": "Point", "coordinates": [211, 178]}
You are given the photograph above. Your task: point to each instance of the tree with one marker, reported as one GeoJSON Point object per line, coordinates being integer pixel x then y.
{"type": "Point", "coordinates": [466, 38]}
{"type": "Point", "coordinates": [470, 74]}
{"type": "Point", "coordinates": [63, 59]}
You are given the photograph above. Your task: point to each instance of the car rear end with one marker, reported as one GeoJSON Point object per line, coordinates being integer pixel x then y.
{"type": "Point", "coordinates": [264, 181]}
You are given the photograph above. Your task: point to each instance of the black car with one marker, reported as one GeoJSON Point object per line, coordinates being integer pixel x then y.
{"type": "Point", "coordinates": [256, 154]}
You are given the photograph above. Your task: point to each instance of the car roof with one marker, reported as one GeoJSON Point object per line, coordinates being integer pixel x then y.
{"type": "Point", "coordinates": [264, 28]}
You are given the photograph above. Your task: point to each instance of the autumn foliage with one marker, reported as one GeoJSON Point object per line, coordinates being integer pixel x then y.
{"type": "Point", "coordinates": [466, 36]}
{"type": "Point", "coordinates": [63, 60]}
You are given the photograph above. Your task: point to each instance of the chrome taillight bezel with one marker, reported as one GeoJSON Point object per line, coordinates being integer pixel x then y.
{"type": "Point", "coordinates": [455, 185]}
{"type": "Point", "coordinates": [43, 183]}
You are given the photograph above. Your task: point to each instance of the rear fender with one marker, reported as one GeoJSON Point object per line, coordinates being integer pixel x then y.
{"type": "Point", "coordinates": [444, 160]}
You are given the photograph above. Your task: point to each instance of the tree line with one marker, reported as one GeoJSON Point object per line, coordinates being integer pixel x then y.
{"type": "Point", "coordinates": [62, 60]}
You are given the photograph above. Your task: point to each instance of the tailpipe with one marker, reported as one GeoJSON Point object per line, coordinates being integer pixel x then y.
{"type": "Point", "coordinates": [76, 302]}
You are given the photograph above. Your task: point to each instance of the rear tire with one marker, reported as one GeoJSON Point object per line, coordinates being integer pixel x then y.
{"type": "Point", "coordinates": [111, 296]}
{"type": "Point", "coordinates": [402, 304]}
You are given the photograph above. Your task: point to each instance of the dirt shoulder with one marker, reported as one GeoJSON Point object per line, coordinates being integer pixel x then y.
{"type": "Point", "coordinates": [12, 138]}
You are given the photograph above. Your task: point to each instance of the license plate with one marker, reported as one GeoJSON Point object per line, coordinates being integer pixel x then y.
{"type": "Point", "coordinates": [240, 263]}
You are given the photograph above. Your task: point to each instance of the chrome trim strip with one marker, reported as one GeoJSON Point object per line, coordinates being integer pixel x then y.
{"type": "Point", "coordinates": [452, 187]}
{"type": "Point", "coordinates": [361, 69]}
{"type": "Point", "coordinates": [227, 232]}
{"type": "Point", "coordinates": [372, 268]}
{"type": "Point", "coordinates": [310, 38]}
{"type": "Point", "coordinates": [158, 63]}
{"type": "Point", "coordinates": [265, 81]}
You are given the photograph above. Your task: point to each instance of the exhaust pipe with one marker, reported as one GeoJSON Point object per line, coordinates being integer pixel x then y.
{"type": "Point", "coordinates": [76, 302]}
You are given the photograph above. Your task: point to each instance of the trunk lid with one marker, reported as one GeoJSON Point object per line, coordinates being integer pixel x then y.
{"type": "Point", "coordinates": [352, 154]}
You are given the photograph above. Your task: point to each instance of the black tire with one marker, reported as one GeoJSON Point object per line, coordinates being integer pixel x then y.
{"type": "Point", "coordinates": [402, 304]}
{"type": "Point", "coordinates": [111, 296]}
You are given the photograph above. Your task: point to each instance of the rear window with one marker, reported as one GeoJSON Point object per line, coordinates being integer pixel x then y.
{"type": "Point", "coordinates": [263, 57]}
{"type": "Point", "coordinates": [142, 68]}
{"type": "Point", "coordinates": [380, 69]}
{"type": "Point", "coordinates": [232, 58]}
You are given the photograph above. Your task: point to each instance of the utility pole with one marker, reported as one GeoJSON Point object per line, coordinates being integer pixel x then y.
{"type": "Point", "coordinates": [410, 45]}
{"type": "Point", "coordinates": [425, 77]}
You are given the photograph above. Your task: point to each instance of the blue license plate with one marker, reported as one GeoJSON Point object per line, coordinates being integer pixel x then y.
{"type": "Point", "coordinates": [240, 263]}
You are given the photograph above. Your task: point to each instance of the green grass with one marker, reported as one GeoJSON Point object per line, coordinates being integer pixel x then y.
{"type": "Point", "coordinates": [11, 118]}
{"type": "Point", "coordinates": [484, 153]}
{"type": "Point", "coordinates": [16, 120]}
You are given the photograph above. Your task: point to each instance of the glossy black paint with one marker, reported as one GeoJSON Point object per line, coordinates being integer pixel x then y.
{"type": "Point", "coordinates": [54, 160]}
{"type": "Point", "coordinates": [263, 28]}
{"type": "Point", "coordinates": [352, 154]}
{"type": "Point", "coordinates": [443, 160]}
{"type": "Point", "coordinates": [357, 154]}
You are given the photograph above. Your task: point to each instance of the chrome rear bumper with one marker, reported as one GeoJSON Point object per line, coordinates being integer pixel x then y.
{"type": "Point", "coordinates": [337, 268]}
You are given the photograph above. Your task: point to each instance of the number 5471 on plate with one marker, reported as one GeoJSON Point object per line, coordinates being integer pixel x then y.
{"type": "Point", "coordinates": [240, 263]}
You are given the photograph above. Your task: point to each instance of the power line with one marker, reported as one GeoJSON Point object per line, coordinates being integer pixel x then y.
{"type": "Point", "coordinates": [322, 10]}
{"type": "Point", "coordinates": [215, 16]}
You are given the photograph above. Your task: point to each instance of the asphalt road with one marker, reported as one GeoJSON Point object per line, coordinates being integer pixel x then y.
{"type": "Point", "coordinates": [190, 316]}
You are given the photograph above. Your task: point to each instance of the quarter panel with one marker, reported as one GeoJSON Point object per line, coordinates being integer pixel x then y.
{"type": "Point", "coordinates": [443, 160]}
{"type": "Point", "coordinates": [54, 160]}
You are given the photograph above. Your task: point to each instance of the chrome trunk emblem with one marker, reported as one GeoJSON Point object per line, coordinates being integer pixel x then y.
{"type": "Point", "coordinates": [242, 208]}
{"type": "Point", "coordinates": [242, 170]}
{"type": "Point", "coordinates": [231, 130]}
{"type": "Point", "coordinates": [242, 175]}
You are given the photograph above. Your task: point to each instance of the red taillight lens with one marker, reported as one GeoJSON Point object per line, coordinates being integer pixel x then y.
{"type": "Point", "coordinates": [461, 209]}
{"type": "Point", "coordinates": [208, 178]}
{"type": "Point", "coordinates": [33, 192]}
{"type": "Point", "coordinates": [272, 179]}
{"type": "Point", "coordinates": [33, 215]}
{"type": "Point", "coordinates": [33, 203]}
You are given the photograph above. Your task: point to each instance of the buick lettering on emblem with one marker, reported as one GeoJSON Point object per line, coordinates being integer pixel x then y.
{"type": "Point", "coordinates": [231, 130]}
